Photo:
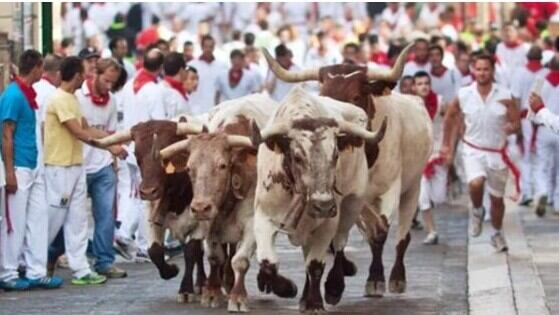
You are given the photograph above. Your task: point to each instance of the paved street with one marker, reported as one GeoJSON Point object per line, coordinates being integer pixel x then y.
{"type": "Point", "coordinates": [459, 276]}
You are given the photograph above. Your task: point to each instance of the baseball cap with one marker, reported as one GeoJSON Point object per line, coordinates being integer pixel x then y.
{"type": "Point", "coordinates": [89, 52]}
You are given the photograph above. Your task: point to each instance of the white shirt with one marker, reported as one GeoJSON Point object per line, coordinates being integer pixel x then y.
{"type": "Point", "coordinates": [203, 99]}
{"type": "Point", "coordinates": [44, 90]}
{"type": "Point", "coordinates": [99, 117]}
{"type": "Point", "coordinates": [462, 80]}
{"type": "Point", "coordinates": [522, 83]}
{"type": "Point", "coordinates": [547, 118]}
{"type": "Point", "coordinates": [175, 103]}
{"type": "Point", "coordinates": [411, 67]}
{"type": "Point", "coordinates": [102, 15]}
{"type": "Point", "coordinates": [247, 85]}
{"type": "Point", "coordinates": [430, 18]}
{"type": "Point", "coordinates": [510, 59]}
{"type": "Point", "coordinates": [446, 86]}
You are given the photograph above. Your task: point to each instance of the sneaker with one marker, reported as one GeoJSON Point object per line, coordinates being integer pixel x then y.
{"type": "Point", "coordinates": [113, 272]}
{"type": "Point", "coordinates": [416, 225]}
{"type": "Point", "coordinates": [525, 201]}
{"type": "Point", "coordinates": [476, 221]}
{"type": "Point", "coordinates": [89, 279]}
{"type": "Point", "coordinates": [45, 283]}
{"type": "Point", "coordinates": [541, 206]}
{"type": "Point", "coordinates": [142, 257]}
{"type": "Point", "coordinates": [431, 239]}
{"type": "Point", "coordinates": [498, 241]}
{"type": "Point", "coordinates": [18, 284]}
{"type": "Point", "coordinates": [122, 249]}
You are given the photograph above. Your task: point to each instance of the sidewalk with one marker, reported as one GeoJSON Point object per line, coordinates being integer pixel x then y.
{"type": "Point", "coordinates": [522, 281]}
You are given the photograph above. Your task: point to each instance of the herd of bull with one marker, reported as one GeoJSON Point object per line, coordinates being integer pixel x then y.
{"type": "Point", "coordinates": [312, 167]}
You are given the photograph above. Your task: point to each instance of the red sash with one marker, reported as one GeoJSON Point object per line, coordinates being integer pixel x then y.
{"type": "Point", "coordinates": [429, 169]}
{"type": "Point", "coordinates": [431, 104]}
{"type": "Point", "coordinates": [553, 77]}
{"type": "Point", "coordinates": [534, 65]}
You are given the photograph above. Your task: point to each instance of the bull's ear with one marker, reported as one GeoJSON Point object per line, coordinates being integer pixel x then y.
{"type": "Point", "coordinates": [255, 136]}
{"type": "Point", "coordinates": [182, 119]}
{"type": "Point", "coordinates": [346, 141]}
{"type": "Point", "coordinates": [243, 172]}
{"type": "Point", "coordinates": [379, 88]}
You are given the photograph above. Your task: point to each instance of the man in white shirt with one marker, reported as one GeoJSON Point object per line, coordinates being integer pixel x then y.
{"type": "Point", "coordinates": [208, 69]}
{"type": "Point", "coordinates": [462, 71]}
{"type": "Point", "coordinates": [99, 109]}
{"type": "Point", "coordinates": [421, 58]}
{"type": "Point", "coordinates": [489, 115]}
{"type": "Point", "coordinates": [119, 50]}
{"type": "Point", "coordinates": [511, 52]}
{"type": "Point", "coordinates": [522, 83]}
{"type": "Point", "coordinates": [175, 96]}
{"type": "Point", "coordinates": [276, 87]}
{"type": "Point", "coordinates": [442, 79]}
{"type": "Point", "coordinates": [89, 57]}
{"type": "Point", "coordinates": [237, 82]}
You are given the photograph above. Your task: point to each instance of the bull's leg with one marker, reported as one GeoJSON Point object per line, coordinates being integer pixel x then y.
{"type": "Point", "coordinates": [238, 297]}
{"type": "Point", "coordinates": [376, 284]}
{"type": "Point", "coordinates": [269, 280]}
{"type": "Point", "coordinates": [199, 261]}
{"type": "Point", "coordinates": [186, 291]}
{"type": "Point", "coordinates": [407, 209]}
{"type": "Point", "coordinates": [156, 252]}
{"type": "Point", "coordinates": [212, 294]}
{"type": "Point", "coordinates": [228, 274]}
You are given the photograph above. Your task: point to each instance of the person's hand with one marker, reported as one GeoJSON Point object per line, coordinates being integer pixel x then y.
{"type": "Point", "coordinates": [536, 102]}
{"type": "Point", "coordinates": [447, 154]}
{"type": "Point", "coordinates": [118, 151]}
{"type": "Point", "coordinates": [11, 182]}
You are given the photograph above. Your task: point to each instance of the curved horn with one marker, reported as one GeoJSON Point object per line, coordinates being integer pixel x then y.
{"type": "Point", "coordinates": [371, 137]}
{"type": "Point", "coordinates": [189, 128]}
{"type": "Point", "coordinates": [393, 74]}
{"type": "Point", "coordinates": [173, 149]}
{"type": "Point", "coordinates": [239, 141]}
{"type": "Point", "coordinates": [289, 76]}
{"type": "Point", "coordinates": [276, 129]}
{"type": "Point", "coordinates": [115, 138]}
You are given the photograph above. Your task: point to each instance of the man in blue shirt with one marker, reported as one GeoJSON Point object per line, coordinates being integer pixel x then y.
{"type": "Point", "coordinates": [25, 206]}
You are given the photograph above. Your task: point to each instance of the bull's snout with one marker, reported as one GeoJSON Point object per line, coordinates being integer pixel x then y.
{"type": "Point", "coordinates": [149, 193]}
{"type": "Point", "coordinates": [201, 210]}
{"type": "Point", "coordinates": [323, 206]}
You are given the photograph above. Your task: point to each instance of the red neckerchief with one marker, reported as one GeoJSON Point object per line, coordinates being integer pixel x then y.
{"type": "Point", "coordinates": [176, 85]}
{"type": "Point", "coordinates": [379, 58]}
{"type": "Point", "coordinates": [28, 91]}
{"type": "Point", "coordinates": [553, 77]}
{"type": "Point", "coordinates": [431, 104]}
{"type": "Point", "coordinates": [440, 73]}
{"type": "Point", "coordinates": [235, 76]}
{"type": "Point", "coordinates": [534, 65]}
{"type": "Point", "coordinates": [207, 59]}
{"type": "Point", "coordinates": [141, 79]}
{"type": "Point", "coordinates": [99, 100]}
{"type": "Point", "coordinates": [46, 78]}
{"type": "Point", "coordinates": [512, 45]}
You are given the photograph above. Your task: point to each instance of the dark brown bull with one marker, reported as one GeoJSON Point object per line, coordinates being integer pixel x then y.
{"type": "Point", "coordinates": [168, 192]}
{"type": "Point", "coordinates": [357, 85]}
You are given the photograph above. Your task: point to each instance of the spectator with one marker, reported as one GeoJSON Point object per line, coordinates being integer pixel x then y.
{"type": "Point", "coordinates": [188, 51]}
{"type": "Point", "coordinates": [442, 80]}
{"type": "Point", "coordinates": [276, 87]}
{"type": "Point", "coordinates": [119, 50]}
{"type": "Point", "coordinates": [420, 60]}
{"type": "Point", "coordinates": [237, 82]}
{"type": "Point", "coordinates": [119, 29]}
{"type": "Point", "coordinates": [89, 57]}
{"type": "Point", "coordinates": [351, 54]}
{"type": "Point", "coordinates": [172, 86]}
{"type": "Point", "coordinates": [406, 85]}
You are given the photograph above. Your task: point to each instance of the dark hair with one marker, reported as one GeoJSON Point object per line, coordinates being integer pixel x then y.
{"type": "Point", "coordinates": [437, 47]}
{"type": "Point", "coordinates": [421, 74]}
{"type": "Point", "coordinates": [534, 53]}
{"type": "Point", "coordinates": [153, 59]}
{"type": "Point", "coordinates": [249, 39]}
{"type": "Point", "coordinates": [114, 41]}
{"type": "Point", "coordinates": [154, 19]}
{"type": "Point", "coordinates": [187, 43]}
{"type": "Point", "coordinates": [557, 43]}
{"type": "Point", "coordinates": [236, 53]}
{"type": "Point", "coordinates": [52, 63]}
{"type": "Point", "coordinates": [191, 69]}
{"type": "Point", "coordinates": [69, 67]}
{"type": "Point", "coordinates": [83, 14]}
{"type": "Point", "coordinates": [119, 18]}
{"type": "Point", "coordinates": [422, 40]}
{"type": "Point", "coordinates": [161, 41]}
{"type": "Point", "coordinates": [373, 39]}
{"type": "Point", "coordinates": [406, 77]}
{"type": "Point", "coordinates": [121, 81]}
{"type": "Point", "coordinates": [66, 42]}
{"type": "Point", "coordinates": [484, 56]}
{"type": "Point", "coordinates": [281, 50]}
{"type": "Point", "coordinates": [205, 38]}
{"type": "Point", "coordinates": [351, 45]}
{"type": "Point", "coordinates": [236, 35]}
{"type": "Point", "coordinates": [29, 60]}
{"type": "Point", "coordinates": [554, 64]}
{"type": "Point", "coordinates": [173, 63]}
{"type": "Point", "coordinates": [491, 45]}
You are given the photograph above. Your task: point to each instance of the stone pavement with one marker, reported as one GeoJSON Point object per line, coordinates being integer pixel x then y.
{"type": "Point", "coordinates": [437, 283]}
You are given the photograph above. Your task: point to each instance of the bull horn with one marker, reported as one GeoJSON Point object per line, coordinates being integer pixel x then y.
{"type": "Point", "coordinates": [189, 128]}
{"type": "Point", "coordinates": [173, 149]}
{"type": "Point", "coordinates": [371, 137]}
{"type": "Point", "coordinates": [239, 141]}
{"type": "Point", "coordinates": [393, 74]}
{"type": "Point", "coordinates": [274, 130]}
{"type": "Point", "coordinates": [289, 76]}
{"type": "Point", "coordinates": [115, 138]}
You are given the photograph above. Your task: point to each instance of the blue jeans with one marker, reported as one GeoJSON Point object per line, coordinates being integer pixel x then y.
{"type": "Point", "coordinates": [101, 187]}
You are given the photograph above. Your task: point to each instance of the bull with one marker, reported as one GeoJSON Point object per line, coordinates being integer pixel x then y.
{"type": "Point", "coordinates": [395, 165]}
{"type": "Point", "coordinates": [312, 159]}
{"type": "Point", "coordinates": [167, 191]}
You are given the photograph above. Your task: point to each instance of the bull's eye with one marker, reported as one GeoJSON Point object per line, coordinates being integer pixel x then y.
{"type": "Point", "coordinates": [297, 159]}
{"type": "Point", "coordinates": [222, 166]}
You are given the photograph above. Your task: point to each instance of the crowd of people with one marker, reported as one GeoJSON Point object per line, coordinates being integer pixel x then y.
{"type": "Point", "coordinates": [120, 64]}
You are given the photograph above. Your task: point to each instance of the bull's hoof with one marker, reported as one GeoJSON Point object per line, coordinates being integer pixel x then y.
{"type": "Point", "coordinates": [397, 286]}
{"type": "Point", "coordinates": [211, 297]}
{"type": "Point", "coordinates": [333, 288]}
{"type": "Point", "coordinates": [270, 281]}
{"type": "Point", "coordinates": [237, 304]}
{"type": "Point", "coordinates": [198, 289]}
{"type": "Point", "coordinates": [186, 298]}
{"type": "Point", "coordinates": [306, 307]}
{"type": "Point", "coordinates": [169, 272]}
{"type": "Point", "coordinates": [375, 289]}
{"type": "Point", "coordinates": [332, 299]}
{"type": "Point", "coordinates": [350, 269]}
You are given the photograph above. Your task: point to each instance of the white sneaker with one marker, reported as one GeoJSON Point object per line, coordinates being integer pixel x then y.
{"type": "Point", "coordinates": [498, 241]}
{"type": "Point", "coordinates": [431, 239]}
{"type": "Point", "coordinates": [476, 221]}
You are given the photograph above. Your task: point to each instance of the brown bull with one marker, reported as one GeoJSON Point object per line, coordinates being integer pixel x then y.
{"type": "Point", "coordinates": [168, 192]}
{"type": "Point", "coordinates": [395, 165]}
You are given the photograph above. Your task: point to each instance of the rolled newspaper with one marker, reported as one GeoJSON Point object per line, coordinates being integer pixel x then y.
{"type": "Point", "coordinates": [536, 89]}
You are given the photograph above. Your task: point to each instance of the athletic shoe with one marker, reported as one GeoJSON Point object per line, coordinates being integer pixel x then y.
{"type": "Point", "coordinates": [416, 225]}
{"type": "Point", "coordinates": [45, 283]}
{"type": "Point", "coordinates": [525, 201]}
{"type": "Point", "coordinates": [89, 279]}
{"type": "Point", "coordinates": [142, 257]}
{"type": "Point", "coordinates": [498, 241]}
{"type": "Point", "coordinates": [431, 239]}
{"type": "Point", "coordinates": [18, 284]}
{"type": "Point", "coordinates": [476, 221]}
{"type": "Point", "coordinates": [122, 249]}
{"type": "Point", "coordinates": [113, 272]}
{"type": "Point", "coordinates": [541, 206]}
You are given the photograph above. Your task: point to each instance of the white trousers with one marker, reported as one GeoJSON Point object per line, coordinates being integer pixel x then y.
{"type": "Point", "coordinates": [66, 196]}
{"type": "Point", "coordinates": [433, 190]}
{"type": "Point", "coordinates": [132, 210]}
{"type": "Point", "coordinates": [547, 175]}
{"type": "Point", "coordinates": [28, 215]}
{"type": "Point", "coordinates": [529, 162]}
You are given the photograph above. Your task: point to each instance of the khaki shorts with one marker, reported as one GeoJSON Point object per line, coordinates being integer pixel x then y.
{"type": "Point", "coordinates": [496, 179]}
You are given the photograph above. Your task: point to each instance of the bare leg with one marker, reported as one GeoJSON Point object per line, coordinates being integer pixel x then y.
{"type": "Point", "coordinates": [497, 212]}
{"type": "Point", "coordinates": [428, 220]}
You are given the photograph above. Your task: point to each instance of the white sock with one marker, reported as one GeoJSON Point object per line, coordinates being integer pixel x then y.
{"type": "Point", "coordinates": [494, 230]}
